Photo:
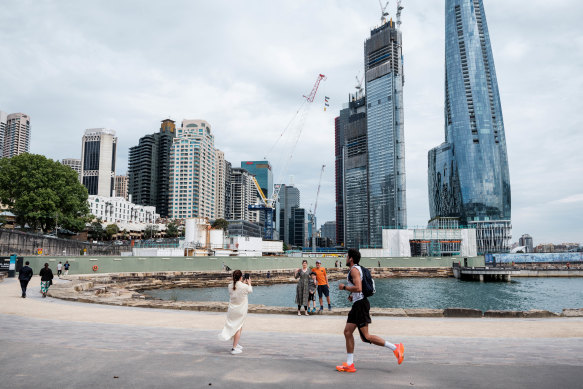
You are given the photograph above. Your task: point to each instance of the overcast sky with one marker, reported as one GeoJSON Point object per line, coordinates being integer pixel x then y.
{"type": "Point", "coordinates": [244, 66]}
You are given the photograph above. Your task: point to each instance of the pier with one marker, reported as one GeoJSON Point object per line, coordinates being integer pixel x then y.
{"type": "Point", "coordinates": [484, 273]}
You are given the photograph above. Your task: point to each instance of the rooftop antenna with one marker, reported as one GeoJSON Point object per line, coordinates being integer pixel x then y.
{"type": "Point", "coordinates": [384, 12]}
{"type": "Point", "coordinates": [399, 9]}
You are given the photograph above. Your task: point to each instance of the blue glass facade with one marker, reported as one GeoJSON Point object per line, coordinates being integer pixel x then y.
{"type": "Point", "coordinates": [468, 174]}
{"type": "Point", "coordinates": [385, 132]}
{"type": "Point", "coordinates": [262, 172]}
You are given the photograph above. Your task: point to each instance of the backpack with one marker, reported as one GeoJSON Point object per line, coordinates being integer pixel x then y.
{"type": "Point", "coordinates": [368, 285]}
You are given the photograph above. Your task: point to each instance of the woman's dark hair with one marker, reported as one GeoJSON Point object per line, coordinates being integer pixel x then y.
{"type": "Point", "coordinates": [305, 260]}
{"type": "Point", "coordinates": [355, 255]}
{"type": "Point", "coordinates": [236, 277]}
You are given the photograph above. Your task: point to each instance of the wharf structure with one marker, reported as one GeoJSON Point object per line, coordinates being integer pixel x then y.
{"type": "Point", "coordinates": [468, 175]}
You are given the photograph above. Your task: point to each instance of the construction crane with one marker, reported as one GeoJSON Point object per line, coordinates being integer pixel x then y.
{"type": "Point", "coordinates": [267, 205]}
{"type": "Point", "coordinates": [384, 12]}
{"type": "Point", "coordinates": [399, 9]}
{"type": "Point", "coordinates": [358, 86]}
{"type": "Point", "coordinates": [314, 214]}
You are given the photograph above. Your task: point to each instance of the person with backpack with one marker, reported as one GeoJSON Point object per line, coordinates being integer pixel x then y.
{"type": "Point", "coordinates": [361, 286]}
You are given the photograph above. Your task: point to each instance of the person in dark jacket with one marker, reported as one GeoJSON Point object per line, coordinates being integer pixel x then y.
{"type": "Point", "coordinates": [24, 277]}
{"type": "Point", "coordinates": [46, 278]}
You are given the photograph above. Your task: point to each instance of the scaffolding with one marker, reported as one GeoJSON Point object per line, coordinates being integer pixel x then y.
{"type": "Point", "coordinates": [492, 236]}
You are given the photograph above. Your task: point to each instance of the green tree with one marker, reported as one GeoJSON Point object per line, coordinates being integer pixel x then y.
{"type": "Point", "coordinates": [220, 224]}
{"type": "Point", "coordinates": [96, 231]}
{"type": "Point", "coordinates": [285, 248]}
{"type": "Point", "coordinates": [111, 230]}
{"type": "Point", "coordinates": [172, 230]}
{"type": "Point", "coordinates": [150, 231]}
{"type": "Point", "coordinates": [42, 193]}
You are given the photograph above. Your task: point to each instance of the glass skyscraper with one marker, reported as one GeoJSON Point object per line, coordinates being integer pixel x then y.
{"type": "Point", "coordinates": [468, 173]}
{"type": "Point", "coordinates": [383, 63]}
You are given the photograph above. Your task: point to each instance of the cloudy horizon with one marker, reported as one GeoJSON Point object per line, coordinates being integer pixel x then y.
{"type": "Point", "coordinates": [243, 67]}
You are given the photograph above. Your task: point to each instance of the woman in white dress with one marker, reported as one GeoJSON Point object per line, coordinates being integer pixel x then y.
{"type": "Point", "coordinates": [237, 312]}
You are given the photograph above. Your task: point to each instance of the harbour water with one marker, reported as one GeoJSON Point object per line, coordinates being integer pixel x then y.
{"type": "Point", "coordinates": [552, 294]}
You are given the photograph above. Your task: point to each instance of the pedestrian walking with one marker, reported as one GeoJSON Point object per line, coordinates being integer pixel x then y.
{"type": "Point", "coordinates": [303, 287]}
{"type": "Point", "coordinates": [237, 312]}
{"type": "Point", "coordinates": [46, 279]}
{"type": "Point", "coordinates": [59, 269]}
{"type": "Point", "coordinates": [313, 286]}
{"type": "Point", "coordinates": [66, 266]}
{"type": "Point", "coordinates": [323, 288]}
{"type": "Point", "coordinates": [24, 277]}
{"type": "Point", "coordinates": [359, 316]}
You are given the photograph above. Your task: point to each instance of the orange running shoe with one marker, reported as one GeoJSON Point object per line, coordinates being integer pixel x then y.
{"type": "Point", "coordinates": [399, 352]}
{"type": "Point", "coordinates": [346, 368]}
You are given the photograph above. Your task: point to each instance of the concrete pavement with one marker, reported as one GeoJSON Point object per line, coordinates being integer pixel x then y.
{"type": "Point", "coordinates": [60, 344]}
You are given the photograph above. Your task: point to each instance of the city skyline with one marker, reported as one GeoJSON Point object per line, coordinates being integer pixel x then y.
{"type": "Point", "coordinates": [115, 79]}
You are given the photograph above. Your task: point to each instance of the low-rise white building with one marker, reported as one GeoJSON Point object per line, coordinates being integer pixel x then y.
{"type": "Point", "coordinates": [119, 210]}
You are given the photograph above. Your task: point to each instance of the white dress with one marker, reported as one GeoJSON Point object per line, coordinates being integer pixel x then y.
{"type": "Point", "coordinates": [237, 310]}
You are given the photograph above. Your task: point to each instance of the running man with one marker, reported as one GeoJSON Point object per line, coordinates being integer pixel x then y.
{"type": "Point", "coordinates": [359, 316]}
{"type": "Point", "coordinates": [323, 289]}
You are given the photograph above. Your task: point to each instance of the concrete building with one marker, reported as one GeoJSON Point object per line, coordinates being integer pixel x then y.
{"type": "Point", "coordinates": [98, 156]}
{"type": "Point", "coordinates": [526, 241]}
{"type": "Point", "coordinates": [227, 191]}
{"type": "Point", "coordinates": [243, 228]}
{"type": "Point", "coordinates": [118, 210]}
{"type": "Point", "coordinates": [16, 134]}
{"type": "Point", "coordinates": [329, 231]}
{"type": "Point", "coordinates": [193, 178]}
{"type": "Point", "coordinates": [149, 168]}
{"type": "Point", "coordinates": [468, 174]}
{"type": "Point", "coordinates": [121, 186]}
{"type": "Point", "coordinates": [243, 194]}
{"type": "Point", "coordinates": [73, 163]}
{"type": "Point", "coordinates": [385, 139]}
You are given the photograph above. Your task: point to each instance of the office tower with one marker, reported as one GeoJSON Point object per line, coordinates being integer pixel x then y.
{"type": "Point", "coordinates": [297, 227]}
{"type": "Point", "coordinates": [98, 155]}
{"type": "Point", "coordinates": [383, 63]}
{"type": "Point", "coordinates": [16, 134]}
{"type": "Point", "coordinates": [468, 173]}
{"type": "Point", "coordinates": [228, 197]}
{"type": "Point", "coordinates": [3, 121]}
{"type": "Point", "coordinates": [149, 168]}
{"type": "Point", "coordinates": [289, 197]}
{"type": "Point", "coordinates": [329, 231]}
{"type": "Point", "coordinates": [526, 241]}
{"type": "Point", "coordinates": [339, 175]}
{"type": "Point", "coordinates": [243, 194]}
{"type": "Point", "coordinates": [263, 174]}
{"type": "Point", "coordinates": [193, 171]}
{"type": "Point", "coordinates": [221, 182]}
{"type": "Point", "coordinates": [121, 187]}
{"type": "Point", "coordinates": [74, 164]}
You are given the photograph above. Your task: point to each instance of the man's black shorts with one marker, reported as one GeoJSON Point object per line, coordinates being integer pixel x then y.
{"type": "Point", "coordinates": [323, 289]}
{"type": "Point", "coordinates": [360, 313]}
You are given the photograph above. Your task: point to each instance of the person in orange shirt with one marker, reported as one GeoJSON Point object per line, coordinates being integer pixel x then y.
{"type": "Point", "coordinates": [323, 289]}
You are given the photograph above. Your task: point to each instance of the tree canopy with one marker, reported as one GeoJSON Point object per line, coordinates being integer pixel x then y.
{"type": "Point", "coordinates": [43, 193]}
{"type": "Point", "coordinates": [220, 224]}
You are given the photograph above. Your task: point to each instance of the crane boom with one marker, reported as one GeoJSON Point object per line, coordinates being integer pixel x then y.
{"type": "Point", "coordinates": [260, 191]}
{"type": "Point", "coordinates": [310, 98]}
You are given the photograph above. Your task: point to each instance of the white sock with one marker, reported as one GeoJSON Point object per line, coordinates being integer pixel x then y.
{"type": "Point", "coordinates": [349, 358]}
{"type": "Point", "coordinates": [390, 345]}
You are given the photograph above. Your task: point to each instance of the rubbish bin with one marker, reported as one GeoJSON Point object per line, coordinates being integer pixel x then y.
{"type": "Point", "coordinates": [12, 266]}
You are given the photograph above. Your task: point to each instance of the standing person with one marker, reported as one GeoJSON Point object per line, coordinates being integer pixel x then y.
{"type": "Point", "coordinates": [66, 266]}
{"type": "Point", "coordinates": [46, 279]}
{"type": "Point", "coordinates": [24, 277]}
{"type": "Point", "coordinates": [359, 316]}
{"type": "Point", "coordinates": [59, 269]}
{"type": "Point", "coordinates": [312, 288]}
{"type": "Point", "coordinates": [237, 312]}
{"type": "Point", "coordinates": [303, 287]}
{"type": "Point", "coordinates": [323, 288]}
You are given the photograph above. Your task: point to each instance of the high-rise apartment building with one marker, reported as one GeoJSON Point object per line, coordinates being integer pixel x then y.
{"type": "Point", "coordinates": [149, 169]}
{"type": "Point", "coordinates": [297, 227]}
{"type": "Point", "coordinates": [98, 155]}
{"type": "Point", "coordinates": [221, 183]}
{"type": "Point", "coordinates": [289, 197]}
{"type": "Point", "coordinates": [468, 173]}
{"type": "Point", "coordinates": [14, 134]}
{"type": "Point", "coordinates": [228, 198]}
{"type": "Point", "coordinates": [383, 64]}
{"type": "Point", "coordinates": [193, 176]}
{"type": "Point", "coordinates": [121, 187]}
{"type": "Point", "coordinates": [73, 163]}
{"type": "Point", "coordinates": [243, 194]}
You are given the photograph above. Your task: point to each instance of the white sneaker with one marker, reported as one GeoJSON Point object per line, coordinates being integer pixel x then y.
{"type": "Point", "coordinates": [236, 351]}
{"type": "Point", "coordinates": [239, 347]}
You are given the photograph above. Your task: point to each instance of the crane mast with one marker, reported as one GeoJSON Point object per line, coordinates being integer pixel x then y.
{"type": "Point", "coordinates": [314, 214]}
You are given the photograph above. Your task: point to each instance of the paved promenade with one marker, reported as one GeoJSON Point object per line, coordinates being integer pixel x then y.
{"type": "Point", "coordinates": [58, 344]}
